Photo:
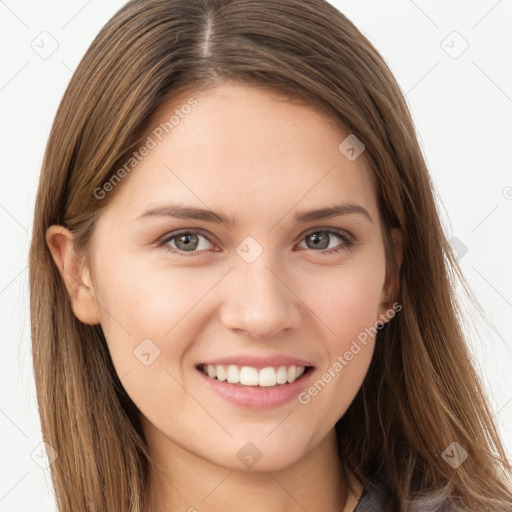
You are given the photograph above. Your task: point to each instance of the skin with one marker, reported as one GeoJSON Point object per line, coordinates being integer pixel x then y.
{"type": "Point", "coordinates": [258, 158]}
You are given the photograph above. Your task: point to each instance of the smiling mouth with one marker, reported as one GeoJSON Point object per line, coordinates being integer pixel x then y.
{"type": "Point", "coordinates": [259, 378]}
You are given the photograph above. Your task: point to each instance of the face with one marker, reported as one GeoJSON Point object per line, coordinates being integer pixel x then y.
{"type": "Point", "coordinates": [253, 288]}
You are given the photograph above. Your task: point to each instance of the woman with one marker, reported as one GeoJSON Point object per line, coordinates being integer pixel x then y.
{"type": "Point", "coordinates": [241, 293]}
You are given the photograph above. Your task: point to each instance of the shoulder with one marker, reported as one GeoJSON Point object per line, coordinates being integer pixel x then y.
{"type": "Point", "coordinates": [376, 498]}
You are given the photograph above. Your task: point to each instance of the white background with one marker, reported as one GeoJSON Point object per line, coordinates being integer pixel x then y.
{"type": "Point", "coordinates": [462, 108]}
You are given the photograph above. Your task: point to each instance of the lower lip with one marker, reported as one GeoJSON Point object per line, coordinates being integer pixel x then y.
{"type": "Point", "coordinates": [257, 397]}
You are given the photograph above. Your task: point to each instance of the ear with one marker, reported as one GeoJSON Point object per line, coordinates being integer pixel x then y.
{"type": "Point", "coordinates": [392, 281]}
{"type": "Point", "coordinates": [74, 273]}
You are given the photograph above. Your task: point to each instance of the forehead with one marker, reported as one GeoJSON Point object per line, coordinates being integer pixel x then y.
{"type": "Point", "coordinates": [243, 150]}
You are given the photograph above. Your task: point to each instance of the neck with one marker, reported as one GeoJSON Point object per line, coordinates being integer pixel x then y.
{"type": "Point", "coordinates": [181, 480]}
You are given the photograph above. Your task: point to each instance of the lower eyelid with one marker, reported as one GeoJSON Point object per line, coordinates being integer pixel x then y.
{"type": "Point", "coordinates": [346, 239]}
{"type": "Point", "coordinates": [164, 242]}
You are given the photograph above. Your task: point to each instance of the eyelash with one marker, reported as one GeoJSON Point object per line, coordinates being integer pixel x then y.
{"type": "Point", "coordinates": [348, 241]}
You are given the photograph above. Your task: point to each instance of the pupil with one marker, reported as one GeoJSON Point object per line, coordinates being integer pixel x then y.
{"type": "Point", "coordinates": [189, 246]}
{"type": "Point", "coordinates": [323, 240]}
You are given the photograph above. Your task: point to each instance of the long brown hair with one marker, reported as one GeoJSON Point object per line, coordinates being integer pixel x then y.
{"type": "Point", "coordinates": [421, 393]}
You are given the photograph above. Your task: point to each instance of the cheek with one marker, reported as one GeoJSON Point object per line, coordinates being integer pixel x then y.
{"type": "Point", "coordinates": [346, 299]}
{"type": "Point", "coordinates": [347, 302]}
{"type": "Point", "coordinates": [149, 317]}
{"type": "Point", "coordinates": [140, 302]}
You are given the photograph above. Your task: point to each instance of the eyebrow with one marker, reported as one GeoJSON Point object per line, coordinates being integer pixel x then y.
{"type": "Point", "coordinates": [183, 212]}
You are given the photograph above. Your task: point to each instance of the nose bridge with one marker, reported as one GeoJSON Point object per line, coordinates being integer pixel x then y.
{"type": "Point", "coordinates": [258, 281]}
{"type": "Point", "coordinates": [258, 301]}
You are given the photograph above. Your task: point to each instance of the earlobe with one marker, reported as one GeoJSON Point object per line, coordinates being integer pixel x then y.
{"type": "Point", "coordinates": [74, 273]}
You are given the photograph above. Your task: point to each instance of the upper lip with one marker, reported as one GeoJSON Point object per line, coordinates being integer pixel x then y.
{"type": "Point", "coordinates": [258, 362]}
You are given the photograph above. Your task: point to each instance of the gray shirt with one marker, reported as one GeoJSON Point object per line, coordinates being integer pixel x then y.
{"type": "Point", "coordinates": [374, 499]}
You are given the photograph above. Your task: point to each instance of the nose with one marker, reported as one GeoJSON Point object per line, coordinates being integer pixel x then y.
{"type": "Point", "coordinates": [259, 300]}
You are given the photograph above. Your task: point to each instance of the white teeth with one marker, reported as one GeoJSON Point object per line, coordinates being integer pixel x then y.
{"type": "Point", "coordinates": [233, 374]}
{"type": "Point", "coordinates": [268, 377]}
{"type": "Point", "coordinates": [221, 373]}
{"type": "Point", "coordinates": [282, 375]}
{"type": "Point", "coordinates": [249, 376]}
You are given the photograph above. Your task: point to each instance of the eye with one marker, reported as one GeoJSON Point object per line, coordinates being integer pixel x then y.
{"type": "Point", "coordinates": [320, 239]}
{"type": "Point", "coordinates": [185, 242]}
{"type": "Point", "coordinates": [191, 242]}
